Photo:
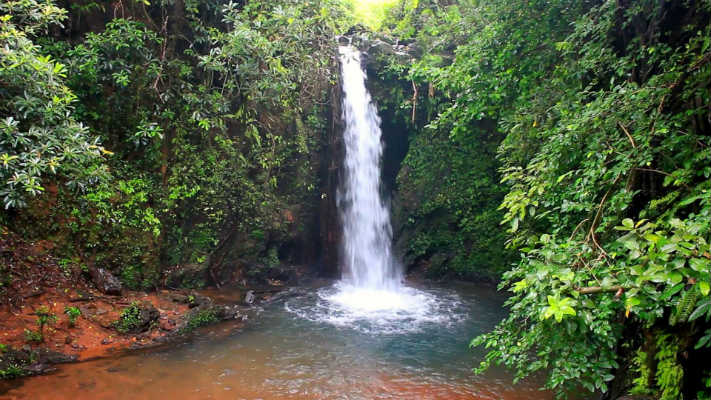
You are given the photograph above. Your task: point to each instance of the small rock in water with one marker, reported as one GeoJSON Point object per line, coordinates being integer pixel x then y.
{"type": "Point", "coordinates": [249, 297]}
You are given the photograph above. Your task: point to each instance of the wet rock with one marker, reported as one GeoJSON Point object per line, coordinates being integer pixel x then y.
{"type": "Point", "coordinates": [192, 300]}
{"type": "Point", "coordinates": [197, 300]}
{"type": "Point", "coordinates": [166, 324]}
{"type": "Point", "coordinates": [179, 298]}
{"type": "Point", "coordinates": [275, 275]}
{"type": "Point", "coordinates": [231, 312]}
{"type": "Point", "coordinates": [249, 297]}
{"type": "Point", "coordinates": [105, 281]}
{"type": "Point", "coordinates": [53, 357]}
{"type": "Point", "coordinates": [106, 341]}
{"type": "Point", "coordinates": [286, 294]}
{"type": "Point", "coordinates": [33, 362]}
{"type": "Point", "coordinates": [38, 369]}
{"type": "Point", "coordinates": [13, 357]}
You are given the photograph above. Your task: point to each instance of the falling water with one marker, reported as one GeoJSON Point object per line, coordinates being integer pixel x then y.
{"type": "Point", "coordinates": [371, 296]}
{"type": "Point", "coordinates": [367, 233]}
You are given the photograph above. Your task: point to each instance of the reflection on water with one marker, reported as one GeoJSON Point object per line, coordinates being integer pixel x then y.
{"type": "Point", "coordinates": [282, 355]}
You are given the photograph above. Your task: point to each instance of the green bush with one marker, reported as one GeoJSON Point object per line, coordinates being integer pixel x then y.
{"type": "Point", "coordinates": [12, 371]}
{"type": "Point", "coordinates": [130, 319]}
{"type": "Point", "coordinates": [200, 318]}
{"type": "Point", "coordinates": [34, 336]}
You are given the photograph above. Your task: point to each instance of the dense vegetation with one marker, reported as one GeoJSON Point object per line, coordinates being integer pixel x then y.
{"type": "Point", "coordinates": [601, 112]}
{"type": "Point", "coordinates": [172, 133]}
{"type": "Point", "coordinates": [561, 146]}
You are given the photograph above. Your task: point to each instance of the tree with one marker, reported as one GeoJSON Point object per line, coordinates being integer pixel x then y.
{"type": "Point", "coordinates": [39, 135]}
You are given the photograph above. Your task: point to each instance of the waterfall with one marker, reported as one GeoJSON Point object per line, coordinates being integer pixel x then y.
{"type": "Point", "coordinates": [371, 296]}
{"type": "Point", "coordinates": [367, 233]}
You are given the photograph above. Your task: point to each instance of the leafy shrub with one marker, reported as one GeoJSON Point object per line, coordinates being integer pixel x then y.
{"type": "Point", "coordinates": [12, 371]}
{"type": "Point", "coordinates": [200, 318]}
{"type": "Point", "coordinates": [73, 313]}
{"type": "Point", "coordinates": [39, 135]}
{"type": "Point", "coordinates": [44, 317]}
{"type": "Point", "coordinates": [130, 318]}
{"type": "Point", "coordinates": [34, 336]}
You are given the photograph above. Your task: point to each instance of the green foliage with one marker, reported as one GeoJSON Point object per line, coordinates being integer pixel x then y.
{"type": "Point", "coordinates": [12, 371]}
{"type": "Point", "coordinates": [200, 318]}
{"type": "Point", "coordinates": [72, 313]}
{"type": "Point", "coordinates": [455, 211]}
{"type": "Point", "coordinates": [705, 392]}
{"type": "Point", "coordinates": [448, 190]}
{"type": "Point", "coordinates": [34, 336]}
{"type": "Point", "coordinates": [39, 135]}
{"type": "Point", "coordinates": [604, 153]}
{"type": "Point", "coordinates": [44, 317]}
{"type": "Point", "coordinates": [214, 120]}
{"type": "Point", "coordinates": [130, 318]}
{"type": "Point", "coordinates": [669, 372]}
{"type": "Point", "coordinates": [371, 13]}
{"type": "Point", "coordinates": [641, 367]}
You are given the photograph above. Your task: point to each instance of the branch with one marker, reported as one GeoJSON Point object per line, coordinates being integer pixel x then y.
{"type": "Point", "coordinates": [627, 133]}
{"type": "Point", "coordinates": [591, 233]}
{"type": "Point", "coordinates": [414, 101]}
{"type": "Point", "coordinates": [598, 289]}
{"type": "Point", "coordinates": [578, 227]}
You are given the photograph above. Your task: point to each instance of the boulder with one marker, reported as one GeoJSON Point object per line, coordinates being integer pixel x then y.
{"type": "Point", "coordinates": [53, 357]}
{"type": "Point", "coordinates": [105, 281]}
{"type": "Point", "coordinates": [192, 300]}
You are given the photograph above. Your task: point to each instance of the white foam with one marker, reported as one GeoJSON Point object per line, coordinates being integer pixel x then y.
{"type": "Point", "coordinates": [380, 311]}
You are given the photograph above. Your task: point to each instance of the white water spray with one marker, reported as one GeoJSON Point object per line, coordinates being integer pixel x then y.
{"type": "Point", "coordinates": [367, 233]}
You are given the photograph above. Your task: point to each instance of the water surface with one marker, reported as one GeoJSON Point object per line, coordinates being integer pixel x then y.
{"type": "Point", "coordinates": [293, 350]}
